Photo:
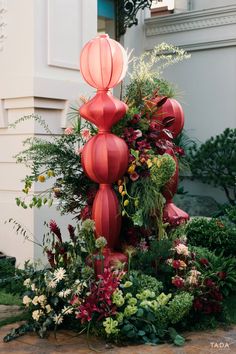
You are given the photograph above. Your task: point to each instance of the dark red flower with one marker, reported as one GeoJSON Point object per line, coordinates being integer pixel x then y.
{"type": "Point", "coordinates": [136, 118]}
{"type": "Point", "coordinates": [178, 282]}
{"type": "Point", "coordinates": [98, 303]}
{"type": "Point", "coordinates": [134, 176]}
{"type": "Point", "coordinates": [55, 229]}
{"type": "Point", "coordinates": [222, 275]}
{"type": "Point", "coordinates": [71, 230]}
{"type": "Point", "coordinates": [197, 305]}
{"type": "Point", "coordinates": [51, 258]}
{"type": "Point", "coordinates": [176, 264]}
{"type": "Point", "coordinates": [91, 195]}
{"type": "Point", "coordinates": [209, 283]}
{"type": "Point", "coordinates": [204, 261]}
{"type": "Point", "coordinates": [85, 213]}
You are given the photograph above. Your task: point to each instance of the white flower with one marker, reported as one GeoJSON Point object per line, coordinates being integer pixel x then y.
{"type": "Point", "coordinates": [59, 274]}
{"type": "Point", "coordinates": [52, 284]}
{"type": "Point", "coordinates": [36, 314]}
{"type": "Point", "coordinates": [58, 319]}
{"type": "Point", "coordinates": [67, 310]}
{"type": "Point", "coordinates": [33, 287]}
{"type": "Point", "coordinates": [182, 249]}
{"type": "Point", "coordinates": [42, 300]}
{"type": "Point", "coordinates": [26, 300]}
{"type": "Point", "coordinates": [48, 308]}
{"type": "Point", "coordinates": [35, 300]}
{"type": "Point", "coordinates": [27, 283]}
{"type": "Point", "coordinates": [64, 293]}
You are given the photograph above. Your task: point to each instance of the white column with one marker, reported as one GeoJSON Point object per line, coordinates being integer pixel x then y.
{"type": "Point", "coordinates": [40, 44]}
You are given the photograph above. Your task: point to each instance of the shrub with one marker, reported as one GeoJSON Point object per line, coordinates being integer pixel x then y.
{"type": "Point", "coordinates": [213, 234]}
{"type": "Point", "coordinates": [214, 162]}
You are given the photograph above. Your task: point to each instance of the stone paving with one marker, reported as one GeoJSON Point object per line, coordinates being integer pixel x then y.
{"type": "Point", "coordinates": [7, 311]}
{"type": "Point", "coordinates": [208, 342]}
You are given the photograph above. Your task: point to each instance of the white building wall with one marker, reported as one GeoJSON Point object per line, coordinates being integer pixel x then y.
{"type": "Point", "coordinates": [39, 70]}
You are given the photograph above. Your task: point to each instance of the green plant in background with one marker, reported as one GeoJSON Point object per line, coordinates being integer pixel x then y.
{"type": "Point", "coordinates": [214, 162]}
{"type": "Point", "coordinates": [146, 79]}
{"type": "Point", "coordinates": [213, 233]}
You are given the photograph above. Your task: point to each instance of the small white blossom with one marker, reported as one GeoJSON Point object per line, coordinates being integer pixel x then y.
{"type": "Point", "coordinates": [59, 274]}
{"type": "Point", "coordinates": [48, 308]}
{"type": "Point", "coordinates": [52, 284]}
{"type": "Point", "coordinates": [58, 319]}
{"type": "Point", "coordinates": [37, 314]}
{"type": "Point", "coordinates": [33, 287]}
{"type": "Point", "coordinates": [64, 293]}
{"type": "Point", "coordinates": [27, 283]}
{"type": "Point", "coordinates": [26, 300]}
{"type": "Point", "coordinates": [42, 300]}
{"type": "Point", "coordinates": [35, 300]}
{"type": "Point", "coordinates": [67, 310]}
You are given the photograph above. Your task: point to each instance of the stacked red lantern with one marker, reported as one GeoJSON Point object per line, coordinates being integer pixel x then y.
{"type": "Point", "coordinates": [103, 64]}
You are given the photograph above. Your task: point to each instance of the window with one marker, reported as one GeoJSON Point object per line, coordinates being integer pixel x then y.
{"type": "Point", "coordinates": [169, 3]}
{"type": "Point", "coordinates": [106, 17]}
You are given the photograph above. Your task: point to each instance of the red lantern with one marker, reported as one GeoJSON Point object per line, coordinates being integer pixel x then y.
{"type": "Point", "coordinates": [105, 158]}
{"type": "Point", "coordinates": [170, 108]}
{"type": "Point", "coordinates": [103, 64]}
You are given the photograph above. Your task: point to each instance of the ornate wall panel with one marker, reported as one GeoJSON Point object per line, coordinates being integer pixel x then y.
{"type": "Point", "coordinates": [65, 32]}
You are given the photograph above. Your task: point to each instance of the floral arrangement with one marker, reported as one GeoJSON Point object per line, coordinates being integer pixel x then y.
{"type": "Point", "coordinates": [167, 284]}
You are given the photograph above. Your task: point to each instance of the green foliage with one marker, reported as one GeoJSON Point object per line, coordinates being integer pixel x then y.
{"type": "Point", "coordinates": [222, 270]}
{"type": "Point", "coordinates": [9, 299]}
{"type": "Point", "coordinates": [214, 162]}
{"type": "Point", "coordinates": [179, 306]}
{"type": "Point", "coordinates": [7, 268]}
{"type": "Point", "coordinates": [142, 282]}
{"type": "Point", "coordinates": [151, 262]}
{"type": "Point", "coordinates": [213, 234]}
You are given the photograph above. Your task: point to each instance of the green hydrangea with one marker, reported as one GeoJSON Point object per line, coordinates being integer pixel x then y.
{"type": "Point", "coordinates": [142, 282]}
{"type": "Point", "coordinates": [117, 298]}
{"type": "Point", "coordinates": [179, 307]}
{"type": "Point", "coordinates": [163, 299]}
{"type": "Point", "coordinates": [146, 294]}
{"type": "Point", "coordinates": [130, 310]}
{"type": "Point", "coordinates": [127, 284]}
{"type": "Point", "coordinates": [128, 296]}
{"type": "Point", "coordinates": [88, 225]}
{"type": "Point", "coordinates": [110, 326]}
{"type": "Point", "coordinates": [132, 301]}
{"type": "Point", "coordinates": [120, 317]}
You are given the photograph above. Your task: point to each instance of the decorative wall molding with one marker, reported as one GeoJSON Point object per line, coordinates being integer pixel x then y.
{"type": "Point", "coordinates": [192, 20]}
{"type": "Point", "coordinates": [65, 24]}
{"type": "Point", "coordinates": [3, 24]}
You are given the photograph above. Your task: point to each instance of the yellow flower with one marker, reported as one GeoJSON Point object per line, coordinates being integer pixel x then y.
{"type": "Point", "coordinates": [158, 163]}
{"type": "Point", "coordinates": [41, 178]}
{"type": "Point", "coordinates": [50, 173]}
{"type": "Point", "coordinates": [131, 169]}
{"type": "Point", "coordinates": [149, 163]}
{"type": "Point", "coordinates": [126, 202]}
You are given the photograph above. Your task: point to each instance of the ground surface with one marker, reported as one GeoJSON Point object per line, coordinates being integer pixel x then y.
{"type": "Point", "coordinates": [208, 342]}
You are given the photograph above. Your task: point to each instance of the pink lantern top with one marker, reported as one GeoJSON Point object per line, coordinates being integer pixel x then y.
{"type": "Point", "coordinates": [103, 62]}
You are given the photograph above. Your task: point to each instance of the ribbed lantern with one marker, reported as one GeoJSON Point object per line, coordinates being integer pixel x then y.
{"type": "Point", "coordinates": [171, 108]}
{"type": "Point", "coordinates": [103, 64]}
